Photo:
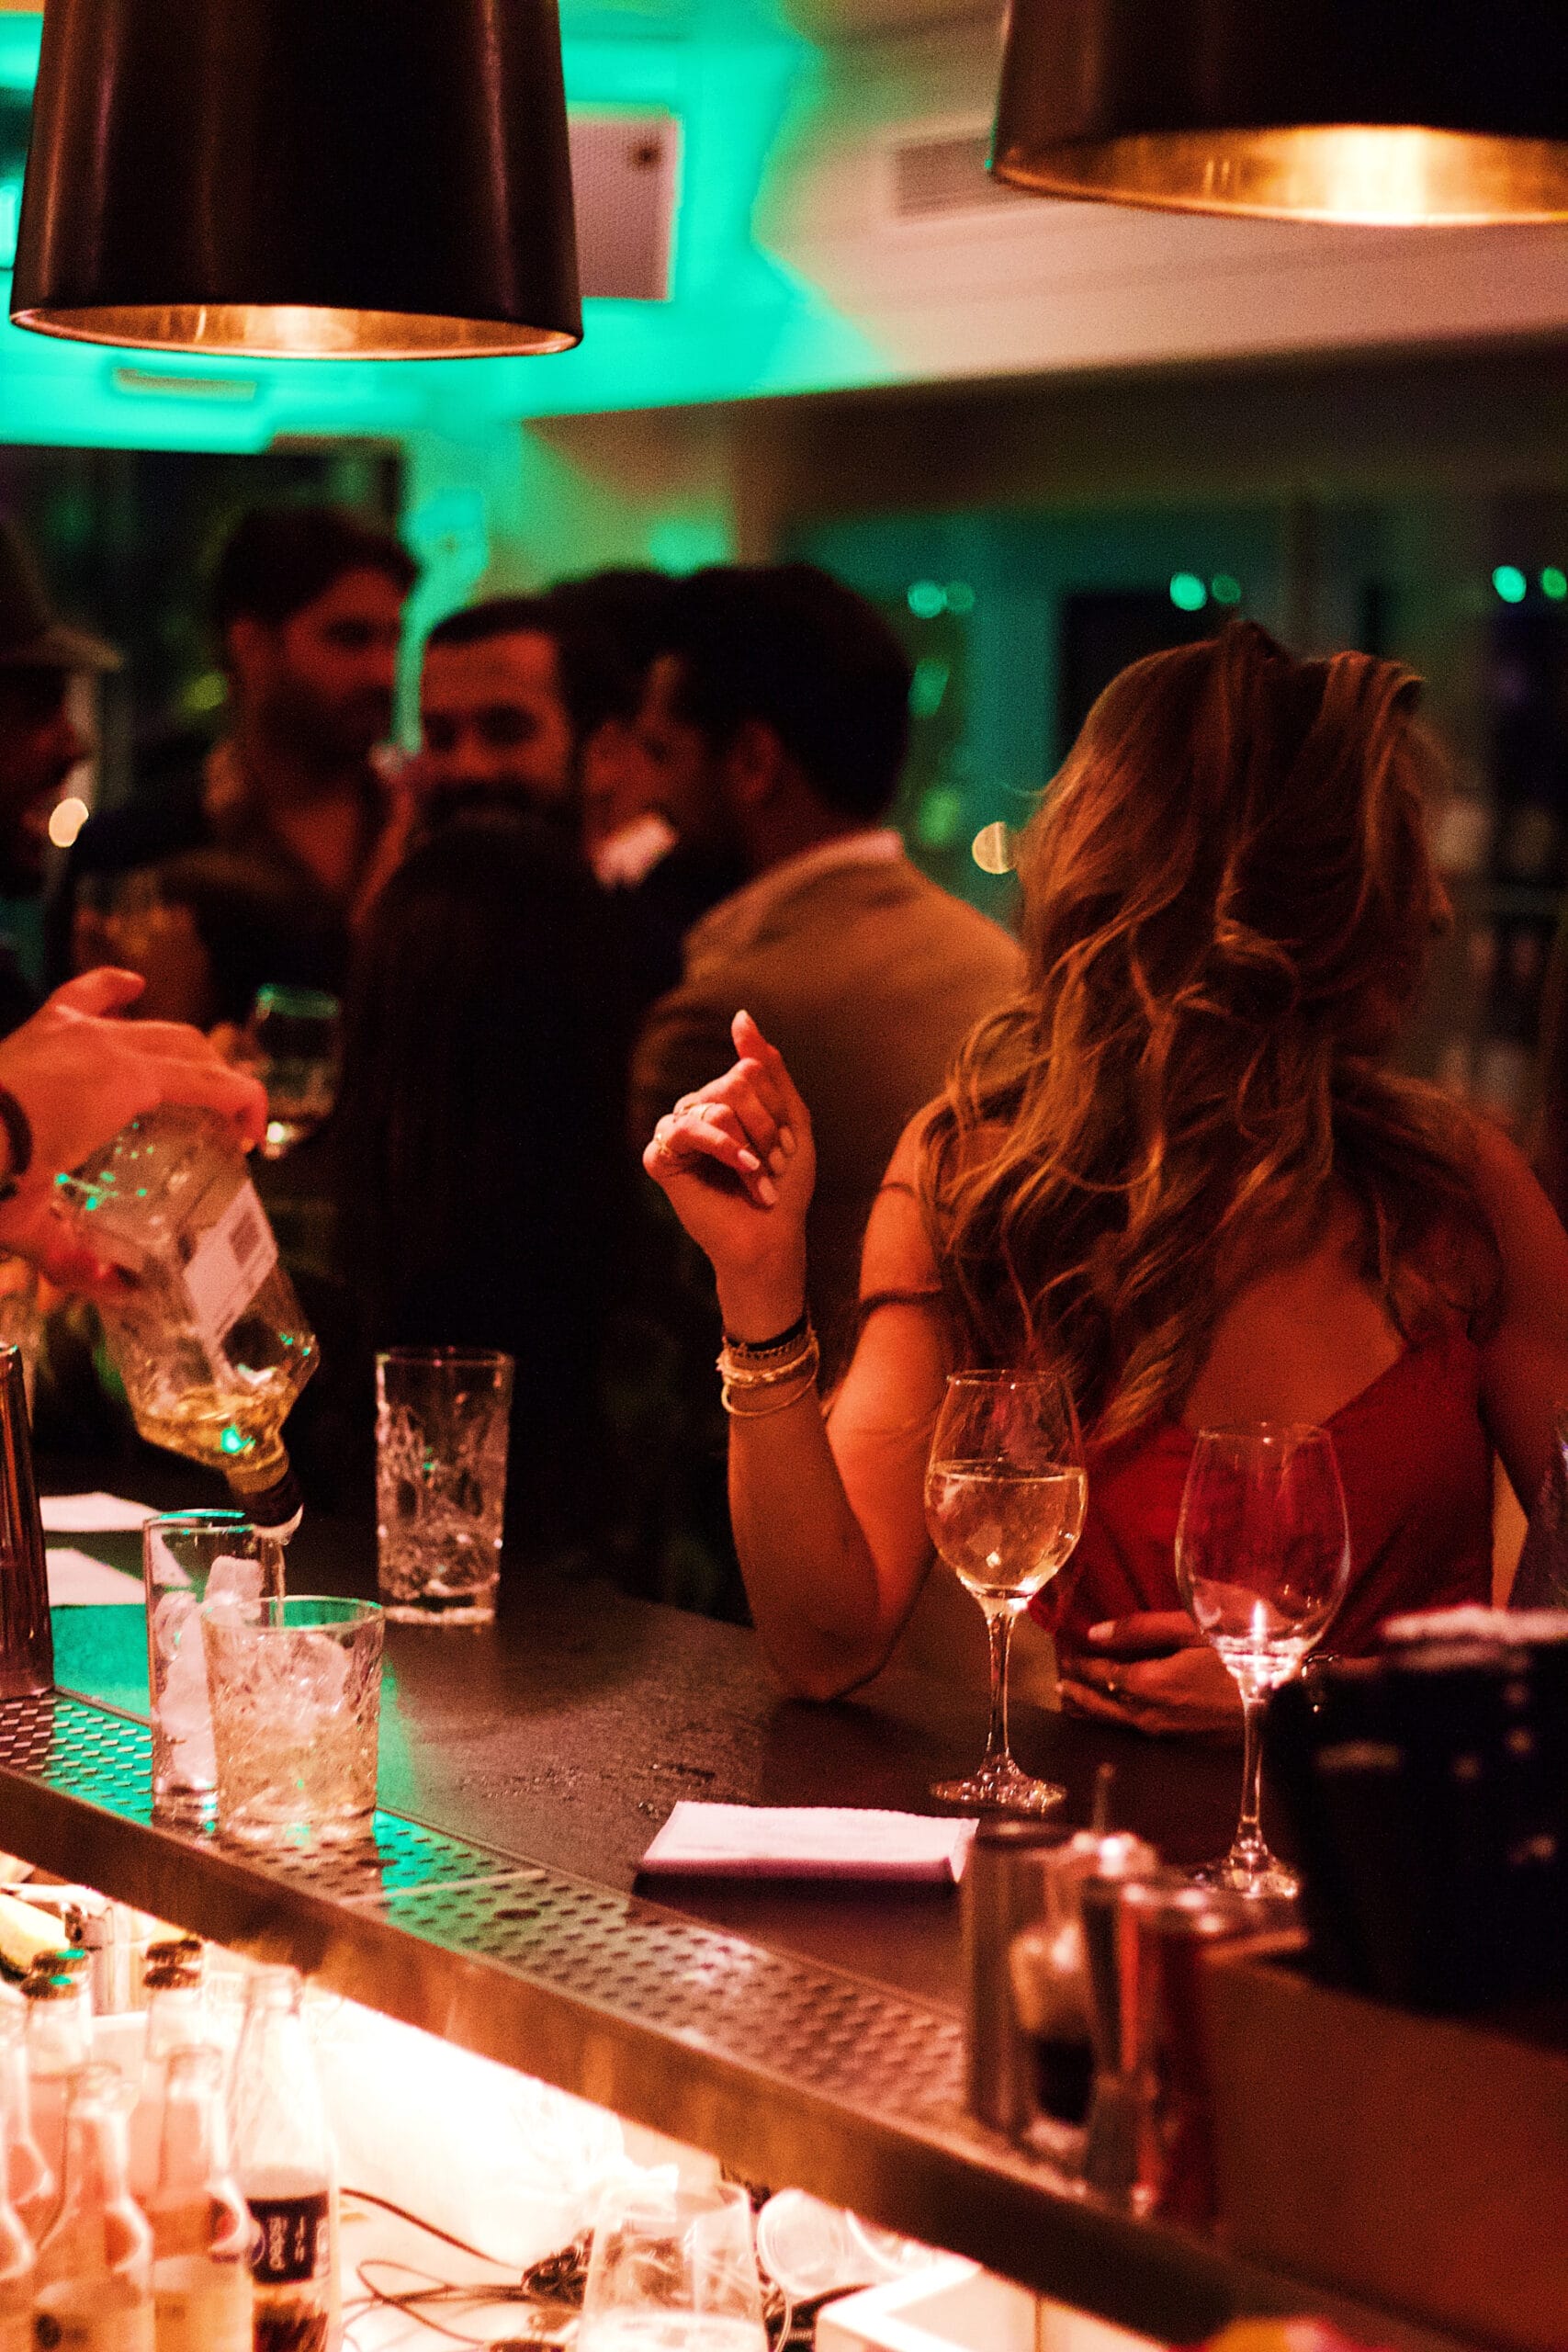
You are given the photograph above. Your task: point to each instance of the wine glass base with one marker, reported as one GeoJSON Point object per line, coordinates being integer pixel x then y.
{"type": "Point", "coordinates": [999, 1788]}
{"type": "Point", "coordinates": [1255, 1874]}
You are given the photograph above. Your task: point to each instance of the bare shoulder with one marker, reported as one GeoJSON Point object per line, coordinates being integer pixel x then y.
{"type": "Point", "coordinates": [1530, 1240]}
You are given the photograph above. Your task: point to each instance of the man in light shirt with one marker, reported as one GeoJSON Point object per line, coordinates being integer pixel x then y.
{"type": "Point", "coordinates": [778, 726]}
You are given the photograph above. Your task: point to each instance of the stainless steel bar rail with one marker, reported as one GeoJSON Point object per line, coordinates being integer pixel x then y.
{"type": "Point", "coordinates": [789, 2072]}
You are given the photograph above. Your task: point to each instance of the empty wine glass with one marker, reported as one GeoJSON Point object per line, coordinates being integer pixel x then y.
{"type": "Point", "coordinates": [1262, 1558]}
{"type": "Point", "coordinates": [291, 1039]}
{"type": "Point", "coordinates": [1005, 1494]}
{"type": "Point", "coordinates": [672, 2268]}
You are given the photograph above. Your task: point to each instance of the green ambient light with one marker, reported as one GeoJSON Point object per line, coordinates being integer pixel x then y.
{"type": "Point", "coordinates": [1510, 584]}
{"type": "Point", "coordinates": [1225, 588]}
{"type": "Point", "coordinates": [1187, 593]}
{"type": "Point", "coordinates": [1554, 584]}
{"type": "Point", "coordinates": [927, 600]}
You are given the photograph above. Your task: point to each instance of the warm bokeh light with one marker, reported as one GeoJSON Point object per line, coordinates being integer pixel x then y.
{"type": "Point", "coordinates": [992, 849]}
{"type": "Point", "coordinates": [1378, 175]}
{"type": "Point", "coordinates": [66, 819]}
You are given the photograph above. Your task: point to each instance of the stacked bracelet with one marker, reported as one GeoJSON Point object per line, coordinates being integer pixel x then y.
{"type": "Point", "coordinates": [771, 1378]}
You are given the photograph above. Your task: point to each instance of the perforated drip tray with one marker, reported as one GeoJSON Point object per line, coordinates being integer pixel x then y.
{"type": "Point", "coordinates": [622, 1958]}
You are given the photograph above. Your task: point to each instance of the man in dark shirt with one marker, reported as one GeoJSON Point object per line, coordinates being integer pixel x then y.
{"type": "Point", "coordinates": [40, 741]}
{"type": "Point", "coordinates": [307, 609]}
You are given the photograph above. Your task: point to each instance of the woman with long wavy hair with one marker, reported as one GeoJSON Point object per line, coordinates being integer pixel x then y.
{"type": "Point", "coordinates": [1179, 1169]}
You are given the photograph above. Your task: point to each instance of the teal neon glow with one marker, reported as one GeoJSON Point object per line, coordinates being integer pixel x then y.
{"type": "Point", "coordinates": [1187, 593]}
{"type": "Point", "coordinates": [739, 323]}
{"type": "Point", "coordinates": [1224, 588]}
{"type": "Point", "coordinates": [926, 600]}
{"type": "Point", "coordinates": [1554, 584]}
{"type": "Point", "coordinates": [1510, 584]}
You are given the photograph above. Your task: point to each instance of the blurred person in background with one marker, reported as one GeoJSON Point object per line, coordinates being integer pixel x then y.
{"type": "Point", "coordinates": [40, 741]}
{"type": "Point", "coordinates": [492, 716]}
{"type": "Point", "coordinates": [207, 929]}
{"type": "Point", "coordinates": [779, 727]}
{"type": "Point", "coordinates": [483, 1187]}
{"type": "Point", "coordinates": [307, 610]}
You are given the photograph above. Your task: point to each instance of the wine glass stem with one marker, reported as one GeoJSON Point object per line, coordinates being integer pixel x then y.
{"type": "Point", "coordinates": [998, 1630]}
{"type": "Point", "coordinates": [1248, 1830]}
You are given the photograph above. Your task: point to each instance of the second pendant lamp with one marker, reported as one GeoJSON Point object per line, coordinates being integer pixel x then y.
{"type": "Point", "coordinates": [329, 178]}
{"type": "Point", "coordinates": [1445, 113]}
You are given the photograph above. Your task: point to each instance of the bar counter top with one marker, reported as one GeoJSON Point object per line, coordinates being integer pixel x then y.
{"type": "Point", "coordinates": [567, 1730]}
{"type": "Point", "coordinates": [807, 2036]}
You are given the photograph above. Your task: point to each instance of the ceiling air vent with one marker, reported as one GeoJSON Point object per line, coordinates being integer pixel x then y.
{"type": "Point", "coordinates": [935, 177]}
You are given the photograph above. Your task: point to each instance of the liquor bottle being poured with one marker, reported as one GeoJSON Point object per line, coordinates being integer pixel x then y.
{"type": "Point", "coordinates": [207, 1333]}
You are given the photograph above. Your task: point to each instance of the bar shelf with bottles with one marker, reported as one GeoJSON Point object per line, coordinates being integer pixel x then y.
{"type": "Point", "coordinates": [786, 2070]}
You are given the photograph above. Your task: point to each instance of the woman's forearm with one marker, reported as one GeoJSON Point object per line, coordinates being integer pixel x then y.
{"type": "Point", "coordinates": [809, 1572]}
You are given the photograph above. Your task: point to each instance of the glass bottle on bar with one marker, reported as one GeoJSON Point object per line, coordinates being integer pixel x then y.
{"type": "Point", "coordinates": [17, 2259]}
{"type": "Point", "coordinates": [58, 2036]}
{"type": "Point", "coordinates": [208, 1335]}
{"type": "Point", "coordinates": [201, 2225]}
{"type": "Point", "coordinates": [32, 2184]}
{"type": "Point", "coordinates": [176, 2019]}
{"type": "Point", "coordinates": [287, 2166]}
{"type": "Point", "coordinates": [94, 2264]}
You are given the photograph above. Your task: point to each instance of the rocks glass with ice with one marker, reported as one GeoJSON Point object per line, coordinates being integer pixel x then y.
{"type": "Point", "coordinates": [442, 1417]}
{"type": "Point", "coordinates": [186, 1557]}
{"type": "Point", "coordinates": [296, 1689]}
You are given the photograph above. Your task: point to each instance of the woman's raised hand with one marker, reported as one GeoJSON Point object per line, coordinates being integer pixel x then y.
{"type": "Point", "coordinates": [737, 1161]}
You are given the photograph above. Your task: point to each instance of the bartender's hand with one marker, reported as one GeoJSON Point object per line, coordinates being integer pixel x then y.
{"type": "Point", "coordinates": [1155, 1672]}
{"type": "Point", "coordinates": [80, 1076]}
{"type": "Point", "coordinates": [737, 1162]}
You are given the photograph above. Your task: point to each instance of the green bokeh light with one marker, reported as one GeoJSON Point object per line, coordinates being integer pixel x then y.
{"type": "Point", "coordinates": [1554, 584]}
{"type": "Point", "coordinates": [959, 597]}
{"type": "Point", "coordinates": [1187, 593]}
{"type": "Point", "coordinates": [1510, 584]}
{"type": "Point", "coordinates": [1225, 588]}
{"type": "Point", "coordinates": [927, 600]}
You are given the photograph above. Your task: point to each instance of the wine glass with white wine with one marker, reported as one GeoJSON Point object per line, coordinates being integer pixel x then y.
{"type": "Point", "coordinates": [1005, 1496]}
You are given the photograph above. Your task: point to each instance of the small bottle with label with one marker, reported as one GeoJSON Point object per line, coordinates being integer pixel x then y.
{"type": "Point", "coordinates": [17, 2254]}
{"type": "Point", "coordinates": [59, 2035]}
{"type": "Point", "coordinates": [208, 1335]}
{"type": "Point", "coordinates": [287, 2168]}
{"type": "Point", "coordinates": [94, 2264]}
{"type": "Point", "coordinates": [201, 2225]}
{"type": "Point", "coordinates": [176, 2019]}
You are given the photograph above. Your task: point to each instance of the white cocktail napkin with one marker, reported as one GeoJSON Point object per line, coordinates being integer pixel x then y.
{"type": "Point", "coordinates": [78, 1581]}
{"type": "Point", "coordinates": [96, 1514]}
{"type": "Point", "coordinates": [809, 1842]}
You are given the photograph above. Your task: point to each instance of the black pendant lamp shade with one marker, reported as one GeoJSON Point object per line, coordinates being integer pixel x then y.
{"type": "Point", "coordinates": [1440, 112]}
{"type": "Point", "coordinates": [333, 179]}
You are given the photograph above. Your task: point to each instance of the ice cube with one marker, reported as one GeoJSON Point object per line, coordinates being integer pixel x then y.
{"type": "Point", "coordinates": [184, 1714]}
{"type": "Point", "coordinates": [174, 1616]}
{"type": "Point", "coordinates": [320, 1670]}
{"type": "Point", "coordinates": [234, 1580]}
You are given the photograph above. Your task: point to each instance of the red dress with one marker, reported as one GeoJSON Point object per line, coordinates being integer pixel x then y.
{"type": "Point", "coordinates": [1416, 1467]}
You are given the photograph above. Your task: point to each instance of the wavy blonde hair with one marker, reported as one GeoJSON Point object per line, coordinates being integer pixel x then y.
{"type": "Point", "coordinates": [1228, 899]}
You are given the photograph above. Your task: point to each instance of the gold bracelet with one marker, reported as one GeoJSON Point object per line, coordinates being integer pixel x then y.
{"type": "Point", "coordinates": [764, 1405]}
{"type": "Point", "coordinates": [737, 1373]}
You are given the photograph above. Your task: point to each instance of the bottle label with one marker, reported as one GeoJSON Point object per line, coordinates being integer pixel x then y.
{"type": "Point", "coordinates": [229, 1266]}
{"type": "Point", "coordinates": [292, 2237]}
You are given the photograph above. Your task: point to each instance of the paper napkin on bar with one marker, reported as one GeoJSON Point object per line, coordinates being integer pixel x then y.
{"type": "Point", "coordinates": [78, 1581]}
{"type": "Point", "coordinates": [96, 1514]}
{"type": "Point", "coordinates": [809, 1842]}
